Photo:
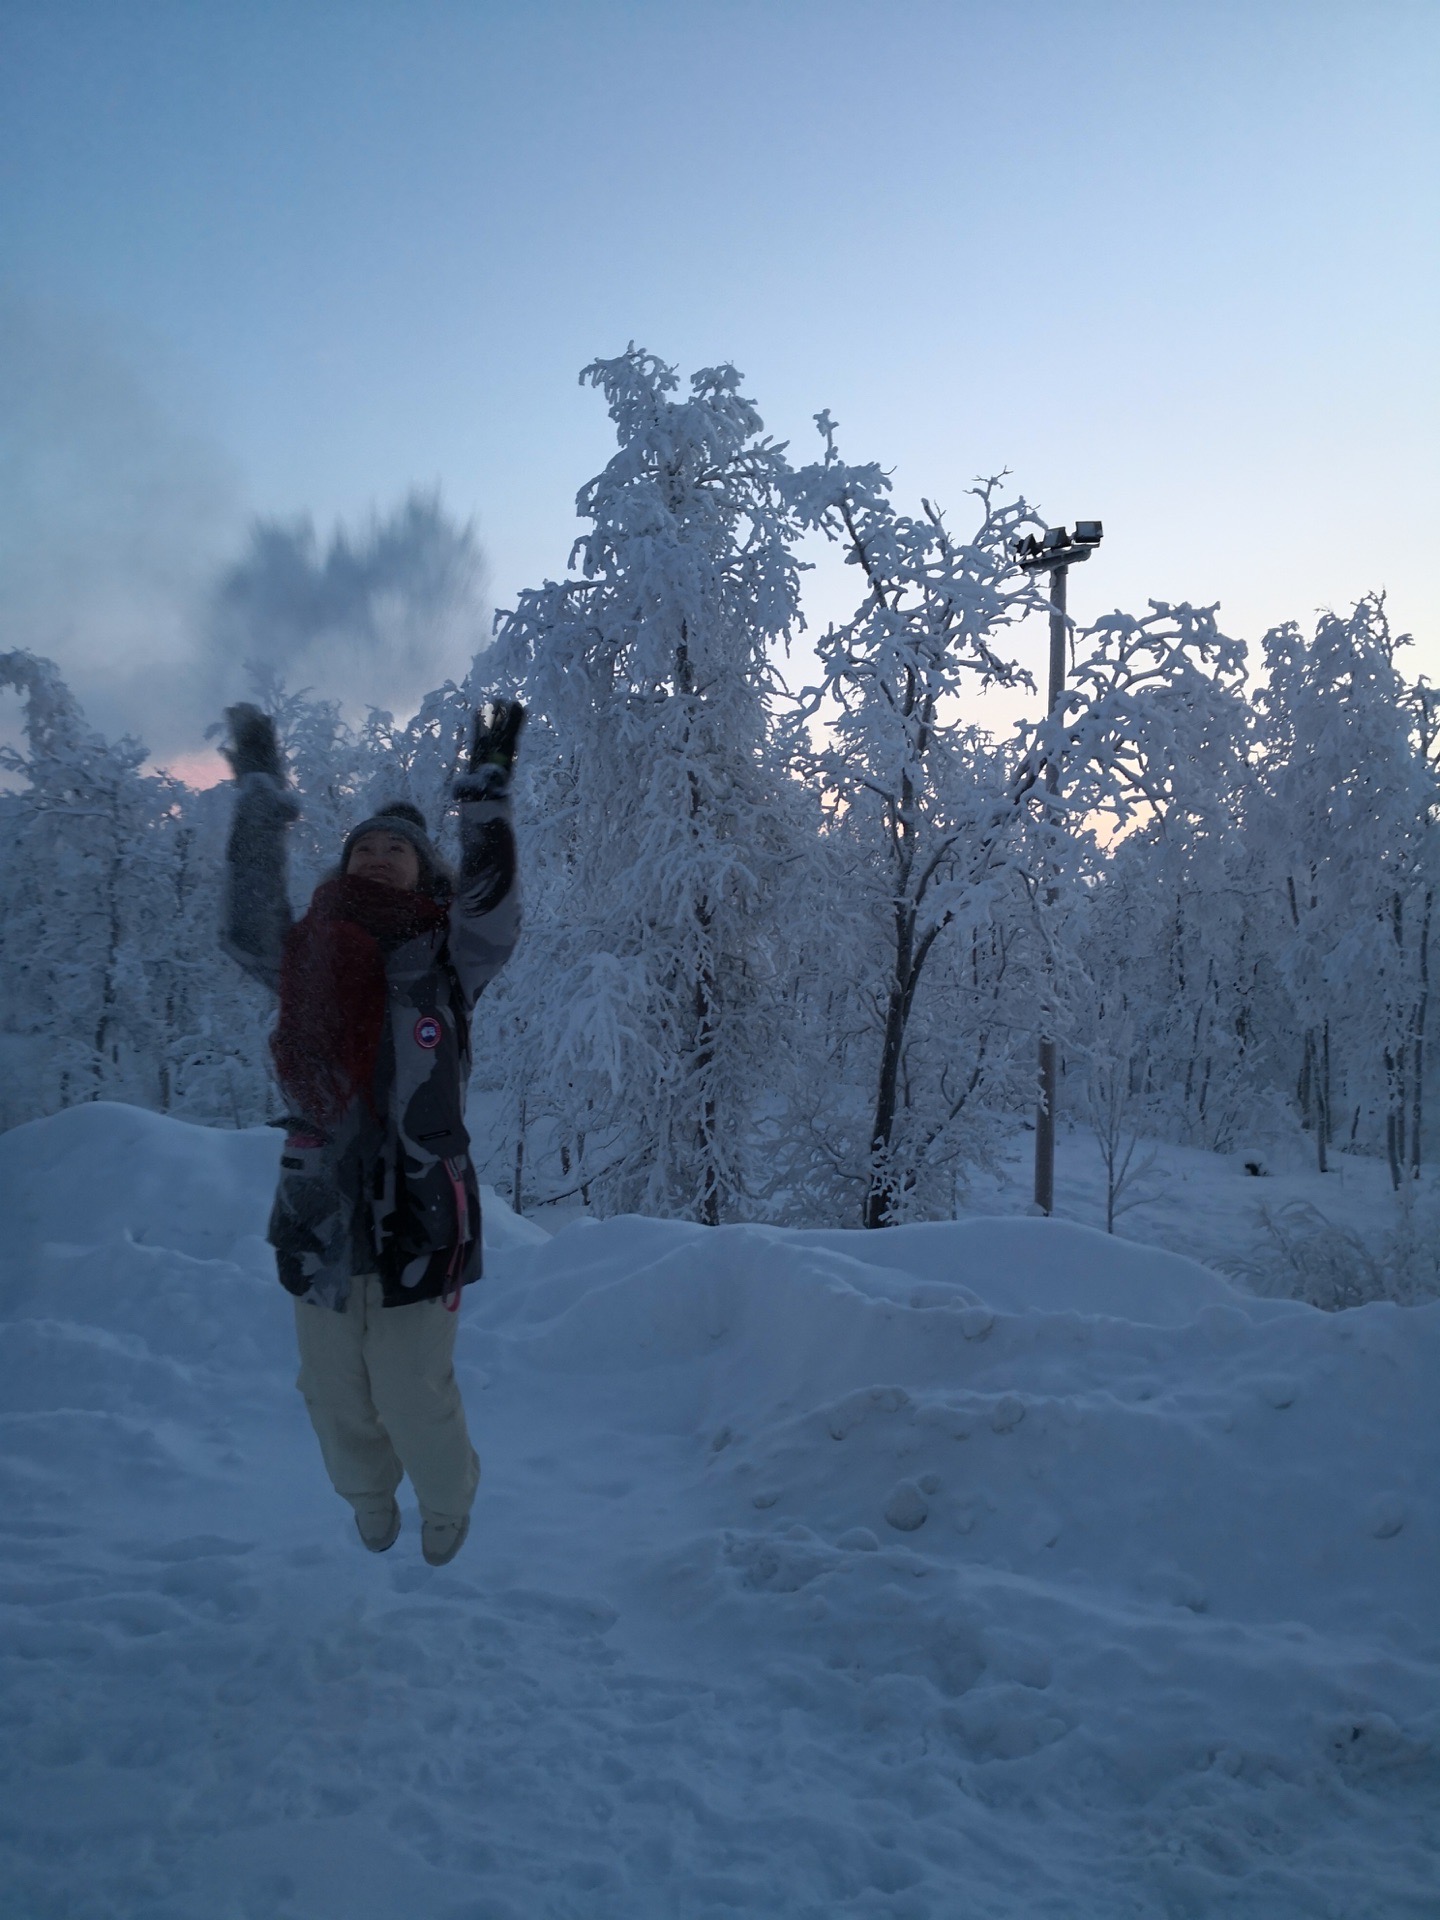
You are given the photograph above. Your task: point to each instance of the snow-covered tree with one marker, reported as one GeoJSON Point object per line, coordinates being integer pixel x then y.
{"type": "Point", "coordinates": [1346, 817]}
{"type": "Point", "coordinates": [98, 972]}
{"type": "Point", "coordinates": [916, 796]}
{"type": "Point", "coordinates": [646, 1012]}
{"type": "Point", "coordinates": [1151, 935]}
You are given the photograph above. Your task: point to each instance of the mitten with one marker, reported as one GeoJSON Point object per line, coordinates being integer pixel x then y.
{"type": "Point", "coordinates": [496, 735]}
{"type": "Point", "coordinates": [253, 746]}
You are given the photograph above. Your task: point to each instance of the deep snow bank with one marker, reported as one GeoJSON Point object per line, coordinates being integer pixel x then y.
{"type": "Point", "coordinates": [813, 1574]}
{"type": "Point", "coordinates": [1037, 1396]}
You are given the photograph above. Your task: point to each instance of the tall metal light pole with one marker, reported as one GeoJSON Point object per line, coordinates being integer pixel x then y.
{"type": "Point", "coordinates": [1056, 552]}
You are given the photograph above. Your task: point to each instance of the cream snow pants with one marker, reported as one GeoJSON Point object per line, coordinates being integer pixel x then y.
{"type": "Point", "coordinates": [383, 1400]}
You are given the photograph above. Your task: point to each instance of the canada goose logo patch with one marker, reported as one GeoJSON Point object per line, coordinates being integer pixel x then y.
{"type": "Point", "coordinates": [427, 1032]}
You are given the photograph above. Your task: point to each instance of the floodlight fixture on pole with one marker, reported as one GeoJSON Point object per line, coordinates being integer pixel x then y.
{"type": "Point", "coordinates": [1055, 552]}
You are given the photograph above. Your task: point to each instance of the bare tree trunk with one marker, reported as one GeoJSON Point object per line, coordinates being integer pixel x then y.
{"type": "Point", "coordinates": [173, 997]}
{"type": "Point", "coordinates": [1395, 1066]}
{"type": "Point", "coordinates": [1394, 1140]}
{"type": "Point", "coordinates": [105, 1019]}
{"type": "Point", "coordinates": [1315, 1091]}
{"type": "Point", "coordinates": [166, 1091]}
{"type": "Point", "coordinates": [518, 1183]}
{"type": "Point", "coordinates": [705, 994]}
{"type": "Point", "coordinates": [704, 1061]}
{"type": "Point", "coordinates": [1422, 1009]}
{"type": "Point", "coordinates": [879, 1199]}
{"type": "Point", "coordinates": [1402, 1102]}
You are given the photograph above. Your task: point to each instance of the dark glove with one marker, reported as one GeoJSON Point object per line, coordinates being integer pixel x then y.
{"type": "Point", "coordinates": [496, 735]}
{"type": "Point", "coordinates": [253, 746]}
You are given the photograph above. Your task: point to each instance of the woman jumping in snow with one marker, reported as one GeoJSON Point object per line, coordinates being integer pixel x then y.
{"type": "Point", "coordinates": [376, 1223]}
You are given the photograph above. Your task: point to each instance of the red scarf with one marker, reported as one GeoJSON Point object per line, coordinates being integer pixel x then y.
{"type": "Point", "coordinates": [332, 991]}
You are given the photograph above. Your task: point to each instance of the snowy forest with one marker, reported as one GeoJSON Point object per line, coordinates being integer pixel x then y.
{"type": "Point", "coordinates": [791, 940]}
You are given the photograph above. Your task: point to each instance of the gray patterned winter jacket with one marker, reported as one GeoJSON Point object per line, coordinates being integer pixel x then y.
{"type": "Point", "coordinates": [391, 1191]}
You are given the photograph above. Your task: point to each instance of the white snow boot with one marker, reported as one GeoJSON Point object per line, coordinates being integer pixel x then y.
{"type": "Point", "coordinates": [441, 1540]}
{"type": "Point", "coordinates": [378, 1526]}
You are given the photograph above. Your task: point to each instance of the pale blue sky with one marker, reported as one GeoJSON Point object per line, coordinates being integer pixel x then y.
{"type": "Point", "coordinates": [1174, 264]}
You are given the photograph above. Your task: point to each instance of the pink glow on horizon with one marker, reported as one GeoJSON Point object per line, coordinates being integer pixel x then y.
{"type": "Point", "coordinates": [199, 770]}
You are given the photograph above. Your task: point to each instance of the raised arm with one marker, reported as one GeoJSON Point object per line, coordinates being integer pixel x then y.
{"type": "Point", "coordinates": [256, 913]}
{"type": "Point", "coordinates": [485, 914]}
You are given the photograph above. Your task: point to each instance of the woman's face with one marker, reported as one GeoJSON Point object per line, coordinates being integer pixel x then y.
{"type": "Point", "coordinates": [386, 857]}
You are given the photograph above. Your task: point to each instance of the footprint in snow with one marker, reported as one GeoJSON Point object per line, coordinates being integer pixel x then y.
{"type": "Point", "coordinates": [198, 1546]}
{"type": "Point", "coordinates": [906, 1510]}
{"type": "Point", "coordinates": [859, 1540]}
{"type": "Point", "coordinates": [1008, 1412]}
{"type": "Point", "coordinates": [1385, 1516]}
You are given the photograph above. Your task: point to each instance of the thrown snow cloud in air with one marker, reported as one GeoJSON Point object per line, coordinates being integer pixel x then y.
{"type": "Point", "coordinates": [373, 620]}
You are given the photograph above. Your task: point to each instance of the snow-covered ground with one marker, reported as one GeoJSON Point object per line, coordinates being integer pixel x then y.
{"type": "Point", "coordinates": [1205, 1205]}
{"type": "Point", "coordinates": [995, 1568]}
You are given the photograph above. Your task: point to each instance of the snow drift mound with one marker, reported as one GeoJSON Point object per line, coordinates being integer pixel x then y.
{"type": "Point", "coordinates": [814, 1574]}
{"type": "Point", "coordinates": [101, 1170]}
{"type": "Point", "coordinates": [1036, 1396]}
